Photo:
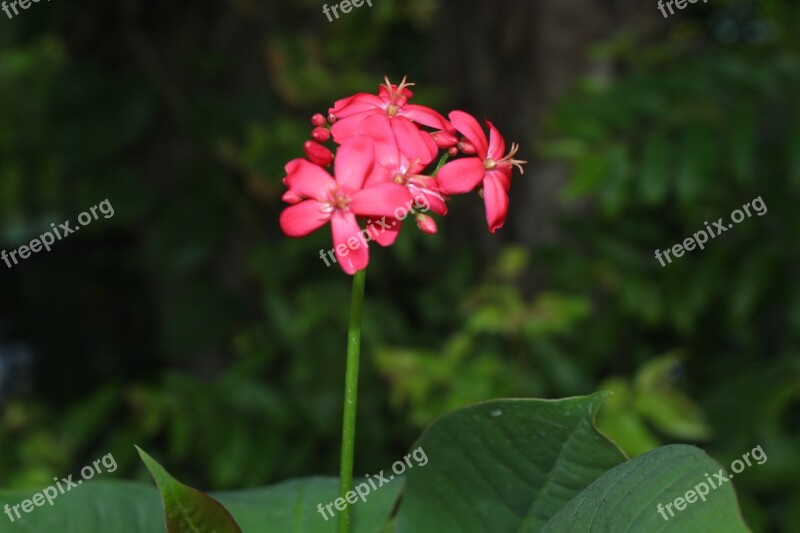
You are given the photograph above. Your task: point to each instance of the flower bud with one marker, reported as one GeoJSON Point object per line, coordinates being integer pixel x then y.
{"type": "Point", "coordinates": [331, 119]}
{"type": "Point", "coordinates": [467, 147]}
{"type": "Point", "coordinates": [321, 134]}
{"type": "Point", "coordinates": [444, 139]}
{"type": "Point", "coordinates": [318, 120]}
{"type": "Point", "coordinates": [426, 224]}
{"type": "Point", "coordinates": [453, 151]}
{"type": "Point", "coordinates": [318, 154]}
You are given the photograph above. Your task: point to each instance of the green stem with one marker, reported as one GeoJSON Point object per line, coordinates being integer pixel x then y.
{"type": "Point", "coordinates": [351, 395]}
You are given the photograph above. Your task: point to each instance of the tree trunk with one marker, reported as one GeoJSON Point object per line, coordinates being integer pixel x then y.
{"type": "Point", "coordinates": [512, 60]}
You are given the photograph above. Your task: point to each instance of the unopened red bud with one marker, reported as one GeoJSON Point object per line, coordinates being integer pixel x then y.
{"type": "Point", "coordinates": [452, 151]}
{"type": "Point", "coordinates": [318, 120]}
{"type": "Point", "coordinates": [426, 224]}
{"type": "Point", "coordinates": [331, 119]}
{"type": "Point", "coordinates": [467, 147]}
{"type": "Point", "coordinates": [318, 154]}
{"type": "Point", "coordinates": [444, 139]}
{"type": "Point", "coordinates": [321, 135]}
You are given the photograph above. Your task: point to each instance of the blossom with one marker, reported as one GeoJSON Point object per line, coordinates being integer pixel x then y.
{"type": "Point", "coordinates": [393, 164]}
{"type": "Point", "coordinates": [382, 171]}
{"type": "Point", "coordinates": [339, 199]}
{"type": "Point", "coordinates": [490, 168]}
{"type": "Point", "coordinates": [400, 164]}
{"type": "Point", "coordinates": [392, 105]}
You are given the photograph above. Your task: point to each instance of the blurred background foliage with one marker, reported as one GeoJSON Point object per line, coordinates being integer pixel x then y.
{"type": "Point", "coordinates": [189, 325]}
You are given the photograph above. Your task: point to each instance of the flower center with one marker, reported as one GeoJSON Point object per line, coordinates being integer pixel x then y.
{"type": "Point", "coordinates": [400, 179]}
{"type": "Point", "coordinates": [398, 99]}
{"type": "Point", "coordinates": [337, 200]}
{"type": "Point", "coordinates": [490, 164]}
{"type": "Point", "coordinates": [341, 202]}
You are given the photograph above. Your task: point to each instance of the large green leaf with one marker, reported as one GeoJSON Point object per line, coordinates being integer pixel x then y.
{"type": "Point", "coordinates": [99, 506]}
{"type": "Point", "coordinates": [627, 498]}
{"type": "Point", "coordinates": [293, 506]}
{"type": "Point", "coordinates": [500, 466]}
{"type": "Point", "coordinates": [125, 507]}
{"type": "Point", "coordinates": [505, 465]}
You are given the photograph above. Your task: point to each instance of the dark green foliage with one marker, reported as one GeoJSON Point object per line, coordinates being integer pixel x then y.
{"type": "Point", "coordinates": [679, 140]}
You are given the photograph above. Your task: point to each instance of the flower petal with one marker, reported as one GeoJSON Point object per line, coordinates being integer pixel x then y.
{"type": "Point", "coordinates": [380, 174]}
{"type": "Point", "coordinates": [503, 173]}
{"type": "Point", "coordinates": [291, 198]}
{"type": "Point", "coordinates": [496, 201]}
{"type": "Point", "coordinates": [379, 129]}
{"type": "Point", "coordinates": [497, 145]}
{"type": "Point", "coordinates": [426, 199]}
{"type": "Point", "coordinates": [307, 179]}
{"type": "Point", "coordinates": [461, 175]}
{"type": "Point", "coordinates": [347, 107]}
{"type": "Point", "coordinates": [383, 235]}
{"type": "Point", "coordinates": [469, 127]}
{"type": "Point", "coordinates": [412, 142]}
{"type": "Point", "coordinates": [425, 116]}
{"type": "Point", "coordinates": [346, 127]}
{"type": "Point", "coordinates": [388, 159]}
{"type": "Point", "coordinates": [380, 200]}
{"type": "Point", "coordinates": [349, 245]}
{"type": "Point", "coordinates": [301, 219]}
{"type": "Point", "coordinates": [353, 163]}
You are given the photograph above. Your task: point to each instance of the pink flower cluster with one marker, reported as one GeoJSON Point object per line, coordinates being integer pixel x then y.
{"type": "Point", "coordinates": [385, 144]}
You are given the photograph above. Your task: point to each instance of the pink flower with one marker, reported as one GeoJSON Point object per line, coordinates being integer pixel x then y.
{"type": "Point", "coordinates": [490, 167]}
{"type": "Point", "coordinates": [394, 165]}
{"type": "Point", "coordinates": [391, 104]}
{"type": "Point", "coordinates": [338, 200]}
{"type": "Point", "coordinates": [385, 147]}
{"type": "Point", "coordinates": [392, 101]}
